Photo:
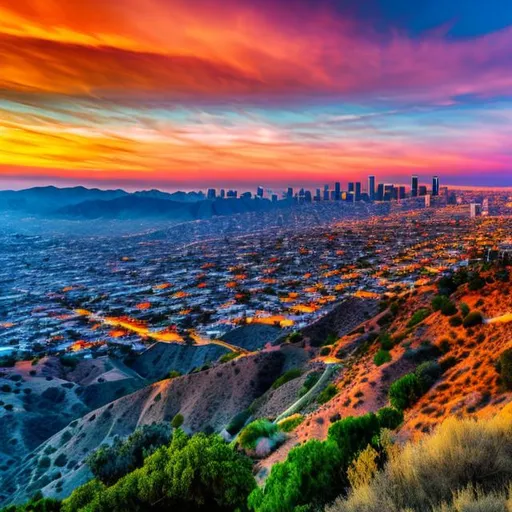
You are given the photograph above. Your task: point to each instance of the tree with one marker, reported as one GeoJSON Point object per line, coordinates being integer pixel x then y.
{"type": "Point", "coordinates": [192, 473]}
{"type": "Point", "coordinates": [309, 476]}
{"type": "Point", "coordinates": [405, 391]}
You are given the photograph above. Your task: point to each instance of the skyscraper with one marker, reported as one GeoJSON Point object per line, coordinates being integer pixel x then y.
{"type": "Point", "coordinates": [211, 193]}
{"type": "Point", "coordinates": [259, 192]}
{"type": "Point", "coordinates": [435, 186]}
{"type": "Point", "coordinates": [414, 186]}
{"type": "Point", "coordinates": [326, 192]}
{"type": "Point", "coordinates": [351, 186]}
{"type": "Point", "coordinates": [358, 191]}
{"type": "Point", "coordinates": [371, 187]}
{"type": "Point", "coordinates": [337, 191]}
{"type": "Point", "coordinates": [380, 192]}
{"type": "Point", "coordinates": [289, 193]}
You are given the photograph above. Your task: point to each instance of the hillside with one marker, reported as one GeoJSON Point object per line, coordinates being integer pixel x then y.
{"type": "Point", "coordinates": [470, 386]}
{"type": "Point", "coordinates": [208, 400]}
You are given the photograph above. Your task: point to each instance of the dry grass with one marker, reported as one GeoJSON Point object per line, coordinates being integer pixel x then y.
{"type": "Point", "coordinates": [441, 472]}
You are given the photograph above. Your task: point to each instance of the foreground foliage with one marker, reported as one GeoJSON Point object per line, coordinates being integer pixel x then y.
{"type": "Point", "coordinates": [191, 473]}
{"type": "Point", "coordinates": [314, 473]}
{"type": "Point", "coordinates": [466, 465]}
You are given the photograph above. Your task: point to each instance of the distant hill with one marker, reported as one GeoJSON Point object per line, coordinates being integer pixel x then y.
{"type": "Point", "coordinates": [43, 200]}
{"type": "Point", "coordinates": [139, 206]}
{"type": "Point", "coordinates": [84, 203]}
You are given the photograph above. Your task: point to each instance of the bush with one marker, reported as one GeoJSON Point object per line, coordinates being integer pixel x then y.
{"type": "Point", "coordinates": [325, 351]}
{"type": "Point", "coordinates": [192, 473]}
{"type": "Point", "coordinates": [386, 342]}
{"type": "Point", "coordinates": [474, 318]}
{"type": "Point", "coordinates": [286, 377]}
{"type": "Point", "coordinates": [444, 304]}
{"type": "Point", "coordinates": [428, 373]}
{"type": "Point", "coordinates": [238, 421]}
{"type": "Point", "coordinates": [250, 435]}
{"type": "Point", "coordinates": [173, 374]}
{"type": "Point", "coordinates": [381, 357]}
{"type": "Point", "coordinates": [310, 381]}
{"type": "Point", "coordinates": [290, 423]}
{"type": "Point", "coordinates": [405, 391]}
{"type": "Point", "coordinates": [460, 455]}
{"type": "Point", "coordinates": [290, 485]}
{"type": "Point", "coordinates": [177, 421]}
{"type": "Point", "coordinates": [109, 463]}
{"type": "Point", "coordinates": [418, 317]}
{"type": "Point", "coordinates": [329, 392]}
{"type": "Point", "coordinates": [464, 309]}
{"type": "Point", "coordinates": [455, 321]}
{"type": "Point", "coordinates": [505, 368]}
{"type": "Point", "coordinates": [390, 418]}
{"type": "Point", "coordinates": [476, 283]}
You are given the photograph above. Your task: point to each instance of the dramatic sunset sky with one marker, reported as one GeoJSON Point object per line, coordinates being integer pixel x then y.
{"type": "Point", "coordinates": [182, 94]}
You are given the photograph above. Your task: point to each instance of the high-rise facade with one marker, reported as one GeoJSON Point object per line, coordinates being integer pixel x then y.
{"type": "Point", "coordinates": [414, 186]}
{"type": "Point", "coordinates": [337, 191]}
{"type": "Point", "coordinates": [358, 191]}
{"type": "Point", "coordinates": [371, 187]}
{"type": "Point", "coordinates": [435, 186]}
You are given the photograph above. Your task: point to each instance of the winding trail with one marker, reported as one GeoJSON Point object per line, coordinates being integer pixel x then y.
{"type": "Point", "coordinates": [502, 319]}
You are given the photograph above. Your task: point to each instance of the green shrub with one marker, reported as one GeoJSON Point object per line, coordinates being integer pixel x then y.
{"type": "Point", "coordinates": [177, 421]}
{"type": "Point", "coordinates": [290, 423]}
{"type": "Point", "coordinates": [386, 342]}
{"type": "Point", "coordinates": [109, 463]}
{"type": "Point", "coordinates": [237, 422]}
{"type": "Point", "coordinates": [310, 381]}
{"type": "Point", "coordinates": [418, 317]}
{"type": "Point", "coordinates": [405, 391]}
{"type": "Point", "coordinates": [173, 374]}
{"type": "Point", "coordinates": [257, 429]}
{"type": "Point", "coordinates": [286, 377]}
{"type": "Point", "coordinates": [390, 418]}
{"type": "Point", "coordinates": [474, 318]}
{"type": "Point", "coordinates": [330, 391]}
{"type": "Point", "coordinates": [444, 304]}
{"type": "Point", "coordinates": [476, 283]}
{"type": "Point", "coordinates": [464, 309]}
{"type": "Point", "coordinates": [325, 351]}
{"type": "Point", "coordinates": [228, 356]}
{"type": "Point", "coordinates": [428, 373]}
{"type": "Point", "coordinates": [455, 321]}
{"type": "Point", "coordinates": [505, 368]}
{"type": "Point", "coordinates": [381, 357]}
{"type": "Point", "coordinates": [308, 478]}
{"type": "Point", "coordinates": [191, 473]}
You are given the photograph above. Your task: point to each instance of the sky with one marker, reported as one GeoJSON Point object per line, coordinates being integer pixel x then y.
{"type": "Point", "coordinates": [190, 94]}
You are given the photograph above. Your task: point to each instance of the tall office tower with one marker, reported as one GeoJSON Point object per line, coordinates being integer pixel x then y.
{"type": "Point", "coordinates": [259, 192]}
{"type": "Point", "coordinates": [274, 198]}
{"type": "Point", "coordinates": [289, 193]}
{"type": "Point", "coordinates": [414, 186]}
{"type": "Point", "coordinates": [337, 191]}
{"type": "Point", "coordinates": [475, 209]}
{"type": "Point", "coordinates": [232, 194]}
{"type": "Point", "coordinates": [326, 192]}
{"type": "Point", "coordinates": [307, 196]}
{"type": "Point", "coordinates": [371, 187]}
{"type": "Point", "coordinates": [211, 194]}
{"type": "Point", "coordinates": [380, 192]}
{"type": "Point", "coordinates": [435, 186]}
{"type": "Point", "coordinates": [422, 190]}
{"type": "Point", "coordinates": [485, 207]}
{"type": "Point", "coordinates": [401, 192]}
{"type": "Point", "coordinates": [351, 186]}
{"type": "Point", "coordinates": [358, 191]}
{"type": "Point", "coordinates": [318, 195]}
{"type": "Point", "coordinates": [222, 193]}
{"type": "Point", "coordinates": [389, 192]}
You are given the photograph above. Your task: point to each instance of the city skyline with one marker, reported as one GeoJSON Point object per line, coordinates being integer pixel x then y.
{"type": "Point", "coordinates": [172, 95]}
